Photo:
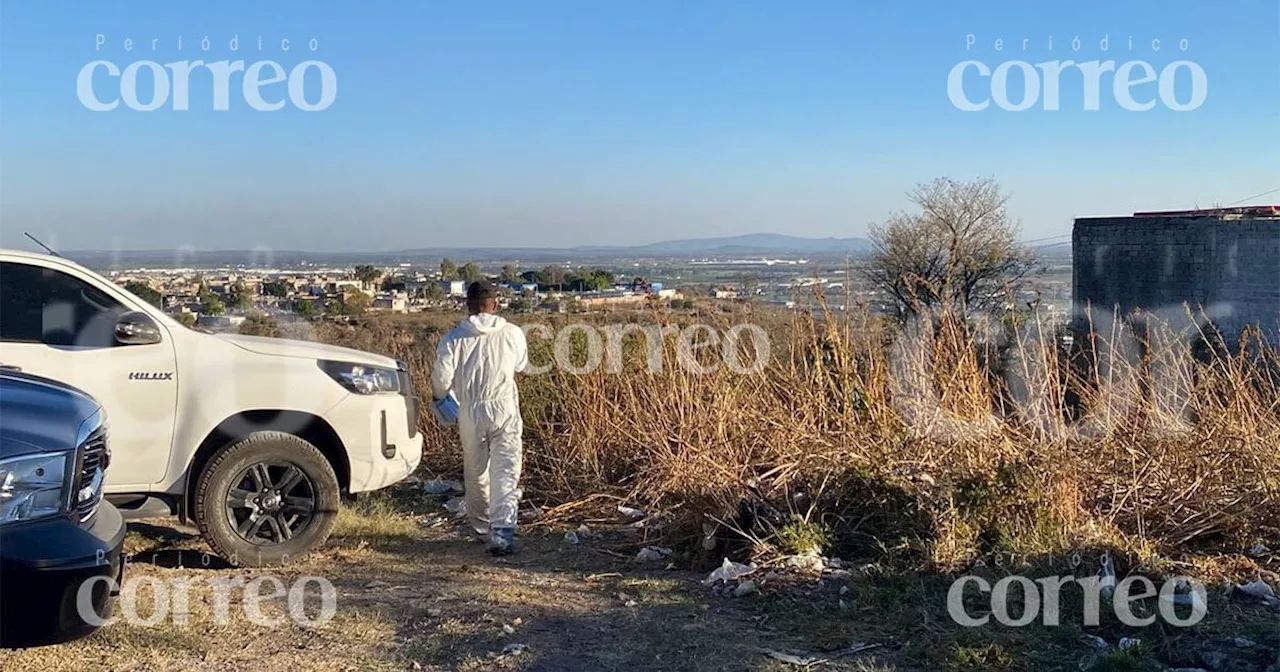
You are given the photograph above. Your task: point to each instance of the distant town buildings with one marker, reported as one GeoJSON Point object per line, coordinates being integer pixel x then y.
{"type": "Point", "coordinates": [222, 299]}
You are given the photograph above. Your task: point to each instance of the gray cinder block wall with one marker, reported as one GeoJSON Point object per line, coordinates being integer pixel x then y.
{"type": "Point", "coordinates": [1229, 267]}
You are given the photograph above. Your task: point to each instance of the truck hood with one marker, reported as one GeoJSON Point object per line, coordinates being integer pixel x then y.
{"type": "Point", "coordinates": [283, 347]}
{"type": "Point", "coordinates": [41, 415]}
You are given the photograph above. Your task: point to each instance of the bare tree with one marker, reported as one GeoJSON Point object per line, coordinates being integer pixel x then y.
{"type": "Point", "coordinates": [958, 253]}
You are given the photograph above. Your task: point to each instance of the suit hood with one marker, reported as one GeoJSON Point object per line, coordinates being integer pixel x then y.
{"type": "Point", "coordinates": [483, 323]}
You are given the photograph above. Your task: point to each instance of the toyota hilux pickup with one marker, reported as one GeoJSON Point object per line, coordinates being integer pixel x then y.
{"type": "Point", "coordinates": [256, 440]}
{"type": "Point", "coordinates": [60, 544]}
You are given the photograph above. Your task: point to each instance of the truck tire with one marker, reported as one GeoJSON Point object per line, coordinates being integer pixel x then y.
{"type": "Point", "coordinates": [267, 499]}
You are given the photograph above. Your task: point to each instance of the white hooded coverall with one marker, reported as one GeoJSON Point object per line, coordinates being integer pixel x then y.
{"type": "Point", "coordinates": [477, 360]}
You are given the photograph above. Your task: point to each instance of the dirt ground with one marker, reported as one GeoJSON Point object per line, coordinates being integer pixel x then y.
{"type": "Point", "coordinates": [414, 591]}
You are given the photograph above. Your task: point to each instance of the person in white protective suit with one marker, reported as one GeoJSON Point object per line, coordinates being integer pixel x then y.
{"type": "Point", "coordinates": [477, 360]}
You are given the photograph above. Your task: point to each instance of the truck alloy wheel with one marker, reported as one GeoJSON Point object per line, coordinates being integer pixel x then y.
{"type": "Point", "coordinates": [267, 499]}
{"type": "Point", "coordinates": [270, 502]}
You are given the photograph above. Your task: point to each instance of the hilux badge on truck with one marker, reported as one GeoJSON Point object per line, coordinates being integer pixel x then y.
{"type": "Point", "coordinates": [144, 375]}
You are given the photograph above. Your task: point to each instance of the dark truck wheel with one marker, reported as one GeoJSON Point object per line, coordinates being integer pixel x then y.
{"type": "Point", "coordinates": [266, 499]}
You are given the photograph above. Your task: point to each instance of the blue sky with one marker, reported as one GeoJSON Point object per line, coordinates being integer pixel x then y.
{"type": "Point", "coordinates": [566, 122]}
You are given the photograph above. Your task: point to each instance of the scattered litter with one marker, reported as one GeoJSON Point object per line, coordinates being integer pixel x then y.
{"type": "Point", "coordinates": [629, 512]}
{"type": "Point", "coordinates": [629, 603]}
{"type": "Point", "coordinates": [508, 629]}
{"type": "Point", "coordinates": [1108, 578]}
{"type": "Point", "coordinates": [514, 649]}
{"type": "Point", "coordinates": [670, 566]}
{"type": "Point", "coordinates": [1193, 600]}
{"type": "Point", "coordinates": [1243, 642]}
{"type": "Point", "coordinates": [438, 487]}
{"type": "Point", "coordinates": [376, 584]}
{"type": "Point", "coordinates": [585, 532]}
{"type": "Point", "coordinates": [811, 561]}
{"type": "Point", "coordinates": [456, 506]}
{"type": "Point", "coordinates": [416, 665]}
{"type": "Point", "coordinates": [728, 571]}
{"type": "Point", "coordinates": [1127, 643]}
{"type": "Point", "coordinates": [652, 554]}
{"type": "Point", "coordinates": [1186, 594]}
{"type": "Point", "coordinates": [1259, 590]}
{"type": "Point", "coordinates": [571, 537]}
{"type": "Point", "coordinates": [1259, 550]}
{"type": "Point", "coordinates": [745, 588]}
{"type": "Point", "coordinates": [1096, 643]}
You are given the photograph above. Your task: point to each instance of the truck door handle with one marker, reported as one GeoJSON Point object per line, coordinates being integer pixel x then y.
{"type": "Point", "coordinates": [10, 367]}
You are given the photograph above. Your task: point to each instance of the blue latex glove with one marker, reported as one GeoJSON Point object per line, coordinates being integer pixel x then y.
{"type": "Point", "coordinates": [446, 409]}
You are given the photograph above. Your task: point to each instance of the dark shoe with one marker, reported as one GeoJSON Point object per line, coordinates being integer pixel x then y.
{"type": "Point", "coordinates": [502, 541]}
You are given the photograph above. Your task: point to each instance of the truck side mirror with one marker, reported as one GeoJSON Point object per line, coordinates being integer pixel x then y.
{"type": "Point", "coordinates": [137, 328]}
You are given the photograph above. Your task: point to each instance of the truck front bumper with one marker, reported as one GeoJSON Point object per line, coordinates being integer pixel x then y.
{"type": "Point", "coordinates": [44, 564]}
{"type": "Point", "coordinates": [381, 436]}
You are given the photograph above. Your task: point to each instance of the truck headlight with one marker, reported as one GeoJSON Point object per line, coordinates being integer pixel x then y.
{"type": "Point", "coordinates": [361, 378]}
{"type": "Point", "coordinates": [34, 486]}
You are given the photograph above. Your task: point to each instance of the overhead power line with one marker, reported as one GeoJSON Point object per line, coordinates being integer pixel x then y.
{"type": "Point", "coordinates": [1250, 198]}
{"type": "Point", "coordinates": [1041, 240]}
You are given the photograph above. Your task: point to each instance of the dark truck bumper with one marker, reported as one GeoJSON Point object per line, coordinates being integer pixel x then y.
{"type": "Point", "coordinates": [44, 563]}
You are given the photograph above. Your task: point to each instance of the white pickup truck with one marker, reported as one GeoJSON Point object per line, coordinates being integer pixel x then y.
{"type": "Point", "coordinates": [257, 440]}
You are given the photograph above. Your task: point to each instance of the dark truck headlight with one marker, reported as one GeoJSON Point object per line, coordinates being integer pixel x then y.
{"type": "Point", "coordinates": [362, 378]}
{"type": "Point", "coordinates": [35, 486]}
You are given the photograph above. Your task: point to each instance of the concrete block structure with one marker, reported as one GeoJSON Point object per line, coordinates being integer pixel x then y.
{"type": "Point", "coordinates": [1224, 263]}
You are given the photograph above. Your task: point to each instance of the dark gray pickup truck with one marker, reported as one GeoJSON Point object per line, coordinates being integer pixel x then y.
{"type": "Point", "coordinates": [56, 532]}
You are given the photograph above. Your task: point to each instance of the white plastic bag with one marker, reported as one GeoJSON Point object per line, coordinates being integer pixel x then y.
{"type": "Point", "coordinates": [728, 572]}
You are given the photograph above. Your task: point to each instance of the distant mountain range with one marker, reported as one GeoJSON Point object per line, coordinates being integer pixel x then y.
{"type": "Point", "coordinates": [748, 246]}
{"type": "Point", "coordinates": [754, 243]}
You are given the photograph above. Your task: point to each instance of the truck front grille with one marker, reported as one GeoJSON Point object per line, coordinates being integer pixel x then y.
{"type": "Point", "coordinates": [93, 458]}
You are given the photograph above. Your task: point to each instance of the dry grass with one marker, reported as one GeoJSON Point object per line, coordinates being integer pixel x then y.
{"type": "Point", "coordinates": [913, 458]}
{"type": "Point", "coordinates": [935, 444]}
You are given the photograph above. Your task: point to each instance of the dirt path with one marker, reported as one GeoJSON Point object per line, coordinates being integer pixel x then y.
{"type": "Point", "coordinates": [424, 596]}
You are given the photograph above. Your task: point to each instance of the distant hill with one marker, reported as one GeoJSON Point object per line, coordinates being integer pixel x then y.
{"type": "Point", "coordinates": [754, 243]}
{"type": "Point", "coordinates": [751, 245]}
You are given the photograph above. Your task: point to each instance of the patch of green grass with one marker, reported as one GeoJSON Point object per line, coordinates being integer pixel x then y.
{"type": "Point", "coordinates": [987, 658]}
{"type": "Point", "coordinates": [374, 518]}
{"type": "Point", "coordinates": [800, 536]}
{"type": "Point", "coordinates": [1128, 660]}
